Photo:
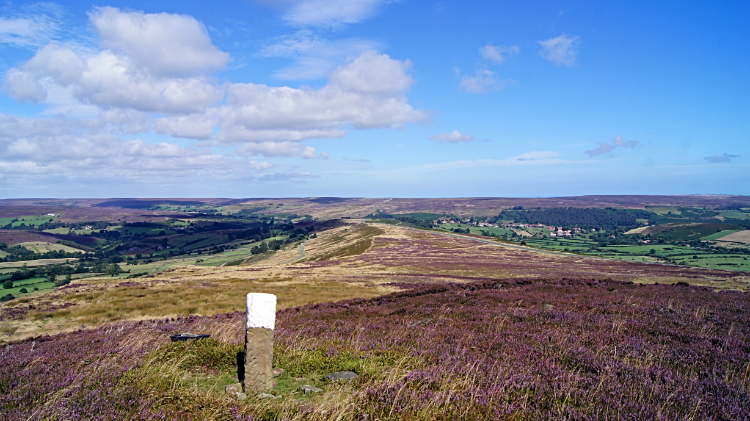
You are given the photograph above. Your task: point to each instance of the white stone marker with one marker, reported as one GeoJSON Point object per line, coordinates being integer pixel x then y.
{"type": "Point", "coordinates": [261, 319]}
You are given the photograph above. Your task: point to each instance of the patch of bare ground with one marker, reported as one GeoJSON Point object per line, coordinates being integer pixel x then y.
{"type": "Point", "coordinates": [742, 237]}
{"type": "Point", "coordinates": [350, 261]}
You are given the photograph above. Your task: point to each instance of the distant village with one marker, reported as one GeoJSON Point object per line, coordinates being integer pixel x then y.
{"type": "Point", "coordinates": [554, 231]}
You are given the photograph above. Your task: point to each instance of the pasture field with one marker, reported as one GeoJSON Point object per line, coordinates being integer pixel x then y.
{"type": "Point", "coordinates": [719, 235]}
{"type": "Point", "coordinates": [737, 237]}
{"type": "Point", "coordinates": [40, 283]}
{"type": "Point", "coordinates": [38, 262]}
{"type": "Point", "coordinates": [735, 214]}
{"type": "Point", "coordinates": [3, 254]}
{"type": "Point", "coordinates": [664, 210]}
{"type": "Point", "coordinates": [43, 247]}
{"type": "Point", "coordinates": [477, 230]}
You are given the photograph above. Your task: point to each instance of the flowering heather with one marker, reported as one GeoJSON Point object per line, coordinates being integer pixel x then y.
{"type": "Point", "coordinates": [516, 350]}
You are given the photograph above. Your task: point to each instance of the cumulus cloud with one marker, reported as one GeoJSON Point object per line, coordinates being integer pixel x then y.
{"type": "Point", "coordinates": [326, 13]}
{"type": "Point", "coordinates": [498, 53]}
{"type": "Point", "coordinates": [561, 50]}
{"type": "Point", "coordinates": [152, 73]}
{"type": "Point", "coordinates": [483, 81]}
{"type": "Point", "coordinates": [163, 44]}
{"type": "Point", "coordinates": [617, 142]}
{"type": "Point", "coordinates": [726, 157]}
{"type": "Point", "coordinates": [367, 92]}
{"type": "Point", "coordinates": [115, 78]}
{"type": "Point", "coordinates": [453, 137]}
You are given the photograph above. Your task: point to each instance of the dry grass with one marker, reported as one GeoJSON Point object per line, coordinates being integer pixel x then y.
{"type": "Point", "coordinates": [742, 237]}
{"type": "Point", "coordinates": [350, 261]}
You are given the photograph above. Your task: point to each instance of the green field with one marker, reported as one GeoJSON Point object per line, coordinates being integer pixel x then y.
{"type": "Point", "coordinates": [477, 230]}
{"type": "Point", "coordinates": [29, 284]}
{"type": "Point", "coordinates": [735, 215]}
{"type": "Point", "coordinates": [26, 220]}
{"type": "Point", "coordinates": [664, 210]}
{"type": "Point", "coordinates": [43, 247]}
{"type": "Point", "coordinates": [719, 234]}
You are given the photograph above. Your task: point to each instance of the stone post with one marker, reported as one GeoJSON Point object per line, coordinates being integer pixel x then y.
{"type": "Point", "coordinates": [261, 318]}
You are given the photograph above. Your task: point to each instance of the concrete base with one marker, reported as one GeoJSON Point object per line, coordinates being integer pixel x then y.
{"type": "Point", "coordinates": [258, 359]}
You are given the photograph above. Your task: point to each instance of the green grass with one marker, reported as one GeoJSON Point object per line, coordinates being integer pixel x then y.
{"type": "Point", "coordinates": [3, 254]}
{"type": "Point", "coordinates": [477, 230]}
{"type": "Point", "coordinates": [735, 215]}
{"type": "Point", "coordinates": [26, 220]}
{"type": "Point", "coordinates": [29, 284]}
{"type": "Point", "coordinates": [664, 210]}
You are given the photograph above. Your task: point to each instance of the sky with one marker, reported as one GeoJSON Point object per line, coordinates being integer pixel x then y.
{"type": "Point", "coordinates": [373, 98]}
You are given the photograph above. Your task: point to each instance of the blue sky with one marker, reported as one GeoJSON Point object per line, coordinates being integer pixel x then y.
{"type": "Point", "coordinates": [373, 98]}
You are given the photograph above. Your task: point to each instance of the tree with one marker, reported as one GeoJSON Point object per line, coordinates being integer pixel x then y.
{"type": "Point", "coordinates": [52, 277]}
{"type": "Point", "coordinates": [114, 269]}
{"type": "Point", "coordinates": [8, 284]}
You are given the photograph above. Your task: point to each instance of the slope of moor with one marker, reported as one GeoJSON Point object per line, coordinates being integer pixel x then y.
{"type": "Point", "coordinates": [350, 261]}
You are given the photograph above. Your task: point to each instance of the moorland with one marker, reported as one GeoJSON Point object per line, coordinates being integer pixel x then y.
{"type": "Point", "coordinates": [593, 307]}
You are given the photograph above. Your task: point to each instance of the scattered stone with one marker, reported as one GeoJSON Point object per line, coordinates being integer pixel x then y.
{"type": "Point", "coordinates": [233, 388]}
{"type": "Point", "coordinates": [419, 322]}
{"type": "Point", "coordinates": [549, 307]}
{"type": "Point", "coordinates": [268, 396]}
{"type": "Point", "coordinates": [277, 372]}
{"type": "Point", "coordinates": [310, 389]}
{"type": "Point", "coordinates": [299, 379]}
{"type": "Point", "coordinates": [240, 396]}
{"type": "Point", "coordinates": [188, 337]}
{"type": "Point", "coordinates": [342, 375]}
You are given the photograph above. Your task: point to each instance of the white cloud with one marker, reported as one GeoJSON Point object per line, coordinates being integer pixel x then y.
{"type": "Point", "coordinates": [453, 137]}
{"type": "Point", "coordinates": [483, 81]}
{"type": "Point", "coordinates": [326, 13]}
{"type": "Point", "coordinates": [280, 149]}
{"type": "Point", "coordinates": [367, 92]}
{"type": "Point", "coordinates": [561, 50]}
{"type": "Point", "coordinates": [617, 142]}
{"type": "Point", "coordinates": [163, 44]}
{"type": "Point", "coordinates": [314, 56]}
{"type": "Point", "coordinates": [68, 149]}
{"type": "Point", "coordinates": [148, 80]}
{"type": "Point", "coordinates": [498, 53]}
{"type": "Point", "coordinates": [32, 26]}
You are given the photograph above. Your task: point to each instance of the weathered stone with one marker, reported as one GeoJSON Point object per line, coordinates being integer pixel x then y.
{"type": "Point", "coordinates": [342, 375]}
{"type": "Point", "coordinates": [268, 396]}
{"type": "Point", "coordinates": [310, 389]}
{"type": "Point", "coordinates": [277, 372]}
{"type": "Point", "coordinates": [261, 319]}
{"type": "Point", "coordinates": [240, 396]}
{"type": "Point", "coordinates": [258, 359]}
{"type": "Point", "coordinates": [233, 388]}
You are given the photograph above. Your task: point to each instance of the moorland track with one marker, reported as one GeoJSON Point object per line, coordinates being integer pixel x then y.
{"type": "Point", "coordinates": [301, 253]}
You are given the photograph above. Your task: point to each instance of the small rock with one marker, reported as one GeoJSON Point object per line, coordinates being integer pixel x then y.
{"type": "Point", "coordinates": [342, 375]}
{"type": "Point", "coordinates": [268, 396]}
{"type": "Point", "coordinates": [240, 396]}
{"type": "Point", "coordinates": [233, 388]}
{"type": "Point", "coordinates": [549, 307]}
{"type": "Point", "coordinates": [310, 389]}
{"type": "Point", "coordinates": [419, 322]}
{"type": "Point", "coordinates": [277, 372]}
